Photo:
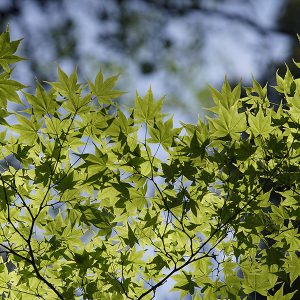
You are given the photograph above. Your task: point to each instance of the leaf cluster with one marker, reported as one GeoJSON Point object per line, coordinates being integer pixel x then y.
{"type": "Point", "coordinates": [98, 201]}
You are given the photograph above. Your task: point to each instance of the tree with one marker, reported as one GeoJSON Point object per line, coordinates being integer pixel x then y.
{"type": "Point", "coordinates": [108, 202]}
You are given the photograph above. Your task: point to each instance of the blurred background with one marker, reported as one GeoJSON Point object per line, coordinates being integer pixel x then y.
{"type": "Point", "coordinates": [176, 46]}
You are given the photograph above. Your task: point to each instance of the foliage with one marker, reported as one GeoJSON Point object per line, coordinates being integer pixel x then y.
{"type": "Point", "coordinates": [109, 203]}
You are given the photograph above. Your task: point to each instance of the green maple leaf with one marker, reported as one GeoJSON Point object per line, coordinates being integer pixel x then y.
{"type": "Point", "coordinates": [226, 97]}
{"type": "Point", "coordinates": [260, 124]}
{"type": "Point", "coordinates": [7, 51]}
{"type": "Point", "coordinates": [229, 122]}
{"type": "Point", "coordinates": [163, 133]}
{"type": "Point", "coordinates": [28, 129]}
{"type": "Point", "coordinates": [146, 109]}
{"type": "Point", "coordinates": [43, 102]}
{"type": "Point", "coordinates": [104, 89]}
{"type": "Point", "coordinates": [280, 296]}
{"type": "Point", "coordinates": [101, 219]}
{"type": "Point", "coordinates": [132, 239]}
{"type": "Point", "coordinates": [8, 90]}
{"type": "Point", "coordinates": [185, 283]}
{"type": "Point", "coordinates": [293, 269]}
{"type": "Point", "coordinates": [66, 86]}
{"type": "Point", "coordinates": [71, 90]}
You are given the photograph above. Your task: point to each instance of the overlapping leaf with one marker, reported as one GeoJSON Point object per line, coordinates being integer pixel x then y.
{"type": "Point", "coordinates": [7, 51]}
{"type": "Point", "coordinates": [104, 88]}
